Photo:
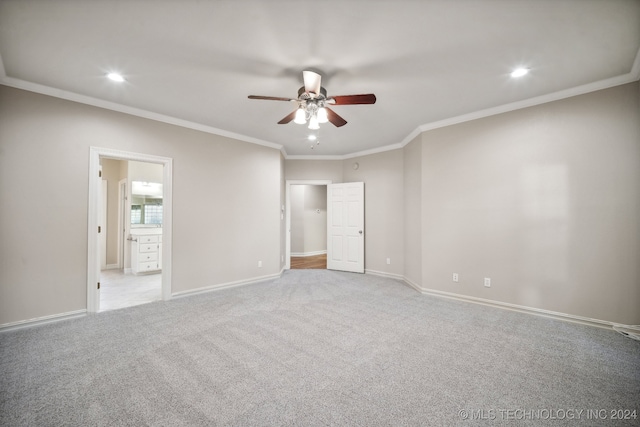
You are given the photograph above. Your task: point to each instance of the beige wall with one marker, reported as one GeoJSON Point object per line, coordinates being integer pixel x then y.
{"type": "Point", "coordinates": [308, 219]}
{"type": "Point", "coordinates": [545, 201]}
{"type": "Point", "coordinates": [412, 230]}
{"type": "Point", "coordinates": [384, 220]}
{"type": "Point", "coordinates": [382, 175]}
{"type": "Point", "coordinates": [314, 170]}
{"type": "Point", "coordinates": [145, 172]}
{"type": "Point", "coordinates": [112, 173]}
{"type": "Point", "coordinates": [226, 211]}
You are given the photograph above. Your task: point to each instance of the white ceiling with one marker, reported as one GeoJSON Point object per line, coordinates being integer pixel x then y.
{"type": "Point", "coordinates": [429, 62]}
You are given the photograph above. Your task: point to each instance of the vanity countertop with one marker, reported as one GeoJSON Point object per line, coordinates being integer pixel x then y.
{"type": "Point", "coordinates": [145, 231]}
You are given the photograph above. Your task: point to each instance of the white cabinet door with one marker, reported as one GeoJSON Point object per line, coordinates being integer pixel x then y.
{"type": "Point", "coordinates": [345, 227]}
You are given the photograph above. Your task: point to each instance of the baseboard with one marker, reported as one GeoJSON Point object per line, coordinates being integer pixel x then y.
{"type": "Point", "coordinates": [492, 303]}
{"type": "Point", "coordinates": [228, 285]}
{"type": "Point", "coordinates": [111, 267]}
{"type": "Point", "coordinates": [412, 284]}
{"type": "Point", "coordinates": [515, 307]}
{"type": "Point", "coordinates": [383, 274]}
{"type": "Point", "coordinates": [39, 321]}
{"type": "Point", "coordinates": [304, 254]}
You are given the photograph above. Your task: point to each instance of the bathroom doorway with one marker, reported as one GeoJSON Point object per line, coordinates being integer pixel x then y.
{"type": "Point", "coordinates": [140, 248]}
{"type": "Point", "coordinates": [132, 208]}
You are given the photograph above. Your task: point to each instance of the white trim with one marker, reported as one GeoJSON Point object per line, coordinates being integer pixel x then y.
{"type": "Point", "coordinates": [287, 202]}
{"type": "Point", "coordinates": [111, 267]}
{"type": "Point", "coordinates": [635, 68]}
{"type": "Point", "coordinates": [531, 102]}
{"type": "Point", "coordinates": [631, 76]}
{"type": "Point", "coordinates": [384, 274]}
{"type": "Point", "coordinates": [227, 285]}
{"type": "Point", "coordinates": [377, 150]}
{"type": "Point", "coordinates": [407, 139]}
{"type": "Point", "coordinates": [373, 151]}
{"type": "Point", "coordinates": [122, 224]}
{"type": "Point", "coordinates": [95, 153]}
{"type": "Point", "coordinates": [412, 284]}
{"type": "Point", "coordinates": [312, 157]}
{"type": "Point", "coordinates": [515, 307]}
{"type": "Point", "coordinates": [306, 254]}
{"type": "Point", "coordinates": [108, 105]}
{"type": "Point", "coordinates": [39, 321]}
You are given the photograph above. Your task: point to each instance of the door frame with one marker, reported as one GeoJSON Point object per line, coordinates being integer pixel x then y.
{"type": "Point", "coordinates": [121, 220]}
{"type": "Point", "coordinates": [102, 221]}
{"type": "Point", "coordinates": [95, 153]}
{"type": "Point", "coordinates": [287, 199]}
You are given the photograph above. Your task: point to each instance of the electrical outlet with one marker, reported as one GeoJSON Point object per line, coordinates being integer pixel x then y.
{"type": "Point", "coordinates": [388, 260]}
{"type": "Point", "coordinates": [455, 277]}
{"type": "Point", "coordinates": [259, 263]}
{"type": "Point", "coordinates": [487, 282]}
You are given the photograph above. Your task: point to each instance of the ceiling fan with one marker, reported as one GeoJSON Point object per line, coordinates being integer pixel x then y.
{"type": "Point", "coordinates": [313, 103]}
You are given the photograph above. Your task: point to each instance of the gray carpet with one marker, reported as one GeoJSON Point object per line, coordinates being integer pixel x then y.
{"type": "Point", "coordinates": [316, 348]}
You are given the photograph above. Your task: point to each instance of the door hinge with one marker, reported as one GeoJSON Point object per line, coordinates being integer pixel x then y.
{"type": "Point", "coordinates": [98, 285]}
{"type": "Point", "coordinates": [99, 229]}
{"type": "Point", "coordinates": [99, 174]}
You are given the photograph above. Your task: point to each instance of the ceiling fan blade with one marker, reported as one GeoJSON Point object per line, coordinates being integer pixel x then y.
{"type": "Point", "coordinates": [270, 98]}
{"type": "Point", "coordinates": [334, 118]}
{"type": "Point", "coordinates": [312, 83]}
{"type": "Point", "coordinates": [288, 118]}
{"type": "Point", "coordinates": [368, 98]}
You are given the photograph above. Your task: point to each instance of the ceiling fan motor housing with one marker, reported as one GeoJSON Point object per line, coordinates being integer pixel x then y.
{"type": "Point", "coordinates": [309, 102]}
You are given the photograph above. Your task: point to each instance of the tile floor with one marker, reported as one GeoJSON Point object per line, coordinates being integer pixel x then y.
{"type": "Point", "coordinates": [119, 290]}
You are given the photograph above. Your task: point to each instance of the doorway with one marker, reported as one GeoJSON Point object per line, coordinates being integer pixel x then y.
{"type": "Point", "coordinates": [94, 254]}
{"type": "Point", "coordinates": [306, 213]}
{"type": "Point", "coordinates": [345, 224]}
{"type": "Point", "coordinates": [132, 211]}
{"type": "Point", "coordinates": [308, 226]}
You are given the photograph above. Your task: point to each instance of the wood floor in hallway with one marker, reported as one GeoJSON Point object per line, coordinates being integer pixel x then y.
{"type": "Point", "coordinates": [309, 262]}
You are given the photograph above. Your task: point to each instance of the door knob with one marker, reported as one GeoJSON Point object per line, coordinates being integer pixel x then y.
{"type": "Point", "coordinates": [360, 231]}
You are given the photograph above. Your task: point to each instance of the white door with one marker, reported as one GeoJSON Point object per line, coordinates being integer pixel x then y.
{"type": "Point", "coordinates": [345, 227]}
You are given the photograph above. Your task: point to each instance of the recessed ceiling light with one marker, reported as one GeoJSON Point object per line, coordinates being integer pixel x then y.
{"type": "Point", "coordinates": [312, 137]}
{"type": "Point", "coordinates": [519, 72]}
{"type": "Point", "coordinates": [115, 77]}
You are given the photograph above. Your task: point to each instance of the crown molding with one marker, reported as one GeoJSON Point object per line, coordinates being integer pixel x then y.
{"type": "Point", "coordinates": [632, 76]}
{"type": "Point", "coordinates": [108, 105]}
{"type": "Point", "coordinates": [635, 68]}
{"type": "Point", "coordinates": [531, 102]}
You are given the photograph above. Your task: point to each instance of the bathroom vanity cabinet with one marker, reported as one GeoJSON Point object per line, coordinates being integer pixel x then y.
{"type": "Point", "coordinates": [146, 251]}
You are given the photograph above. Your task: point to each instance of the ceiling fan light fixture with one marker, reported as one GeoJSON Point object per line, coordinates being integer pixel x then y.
{"type": "Point", "coordinates": [313, 123]}
{"type": "Point", "coordinates": [322, 115]}
{"type": "Point", "coordinates": [300, 117]}
{"type": "Point", "coordinates": [311, 101]}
